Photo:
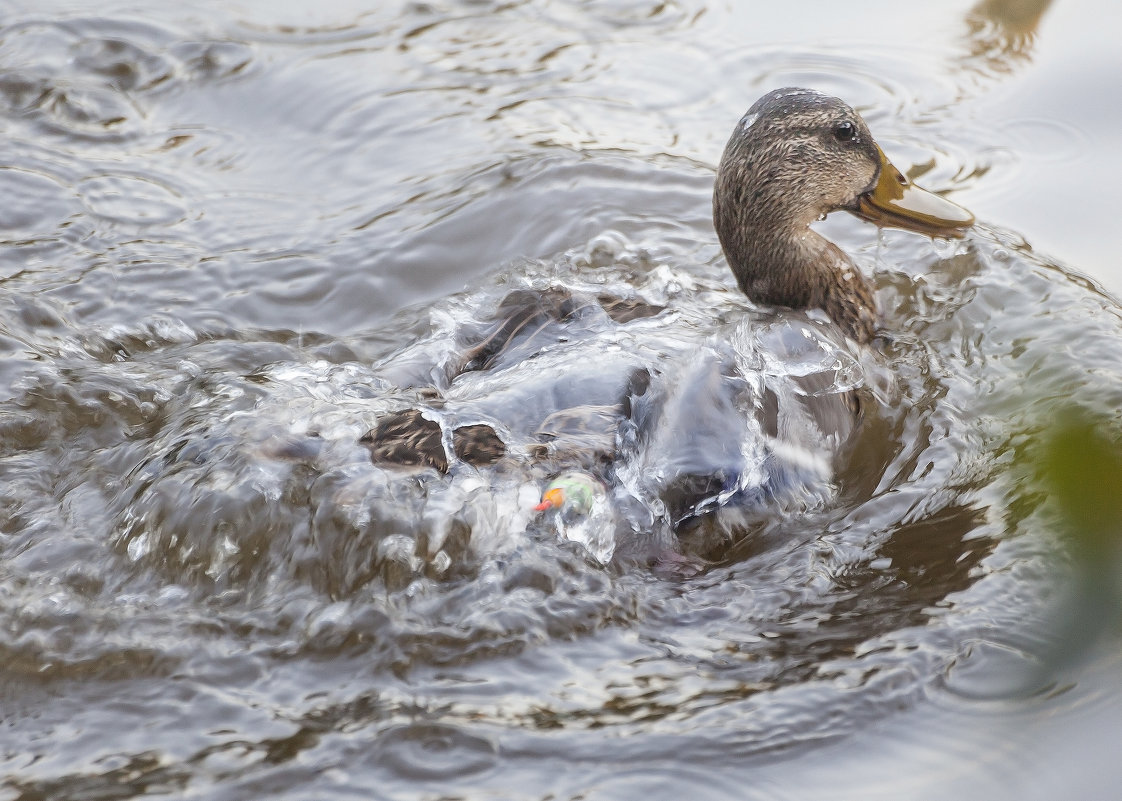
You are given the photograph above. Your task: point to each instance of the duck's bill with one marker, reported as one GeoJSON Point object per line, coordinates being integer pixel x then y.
{"type": "Point", "coordinates": [897, 202]}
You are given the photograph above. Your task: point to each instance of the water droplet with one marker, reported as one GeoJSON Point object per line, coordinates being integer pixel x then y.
{"type": "Point", "coordinates": [946, 248]}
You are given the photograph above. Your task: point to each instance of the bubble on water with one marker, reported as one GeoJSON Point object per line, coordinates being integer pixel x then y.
{"type": "Point", "coordinates": [605, 249]}
{"type": "Point", "coordinates": [946, 247]}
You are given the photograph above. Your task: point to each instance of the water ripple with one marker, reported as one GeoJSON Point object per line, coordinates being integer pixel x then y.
{"type": "Point", "coordinates": [139, 200]}
{"type": "Point", "coordinates": [421, 752]}
{"type": "Point", "coordinates": [89, 78]}
{"type": "Point", "coordinates": [37, 203]}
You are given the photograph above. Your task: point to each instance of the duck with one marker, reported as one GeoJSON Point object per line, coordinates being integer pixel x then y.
{"type": "Point", "coordinates": [677, 428]}
{"type": "Point", "coordinates": [796, 156]}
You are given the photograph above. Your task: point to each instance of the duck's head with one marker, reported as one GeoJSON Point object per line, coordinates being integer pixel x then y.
{"type": "Point", "coordinates": [796, 156]}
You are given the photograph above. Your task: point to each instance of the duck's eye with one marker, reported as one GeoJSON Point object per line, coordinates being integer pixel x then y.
{"type": "Point", "coordinates": [845, 131]}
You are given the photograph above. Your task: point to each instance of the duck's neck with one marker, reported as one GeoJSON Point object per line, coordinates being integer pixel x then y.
{"type": "Point", "coordinates": [798, 268]}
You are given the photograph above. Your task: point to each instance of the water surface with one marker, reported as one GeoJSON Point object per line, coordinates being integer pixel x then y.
{"type": "Point", "coordinates": [223, 221]}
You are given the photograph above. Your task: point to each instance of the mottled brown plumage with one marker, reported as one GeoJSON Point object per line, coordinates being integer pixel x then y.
{"type": "Point", "coordinates": [409, 439]}
{"type": "Point", "coordinates": [794, 157]}
{"type": "Point", "coordinates": [525, 315]}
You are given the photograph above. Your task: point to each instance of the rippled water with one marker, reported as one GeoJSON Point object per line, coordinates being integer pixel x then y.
{"type": "Point", "coordinates": [234, 236]}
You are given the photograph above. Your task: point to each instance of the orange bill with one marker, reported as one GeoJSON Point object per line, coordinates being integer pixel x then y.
{"type": "Point", "coordinates": [553, 498]}
{"type": "Point", "coordinates": [898, 203]}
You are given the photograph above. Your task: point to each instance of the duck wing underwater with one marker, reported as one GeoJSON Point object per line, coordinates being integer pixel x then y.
{"type": "Point", "coordinates": [663, 412]}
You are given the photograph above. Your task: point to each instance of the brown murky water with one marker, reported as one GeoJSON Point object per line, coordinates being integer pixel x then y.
{"type": "Point", "coordinates": [223, 223]}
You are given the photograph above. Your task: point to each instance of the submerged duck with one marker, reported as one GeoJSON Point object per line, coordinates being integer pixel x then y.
{"type": "Point", "coordinates": [793, 158]}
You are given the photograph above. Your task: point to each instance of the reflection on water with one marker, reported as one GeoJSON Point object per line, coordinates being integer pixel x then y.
{"type": "Point", "coordinates": [1002, 32]}
{"type": "Point", "coordinates": [234, 237]}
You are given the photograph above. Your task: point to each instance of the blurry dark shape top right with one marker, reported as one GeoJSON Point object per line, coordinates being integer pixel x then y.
{"type": "Point", "coordinates": [1002, 33]}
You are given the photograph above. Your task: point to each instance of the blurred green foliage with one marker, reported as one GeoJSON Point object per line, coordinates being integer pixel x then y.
{"type": "Point", "coordinates": [1079, 466]}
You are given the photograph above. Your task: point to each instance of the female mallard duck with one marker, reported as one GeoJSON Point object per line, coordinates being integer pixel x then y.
{"type": "Point", "coordinates": [796, 156]}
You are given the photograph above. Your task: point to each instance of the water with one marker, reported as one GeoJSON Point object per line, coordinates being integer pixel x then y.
{"type": "Point", "coordinates": [235, 235]}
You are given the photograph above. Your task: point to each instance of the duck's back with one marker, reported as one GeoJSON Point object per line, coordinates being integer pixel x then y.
{"type": "Point", "coordinates": [757, 419]}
